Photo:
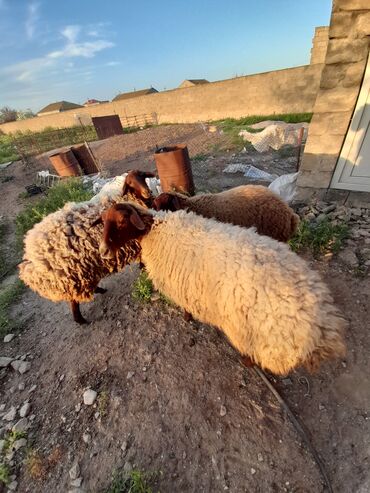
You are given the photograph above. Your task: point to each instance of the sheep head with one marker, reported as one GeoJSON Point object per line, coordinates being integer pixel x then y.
{"type": "Point", "coordinates": [122, 223]}
{"type": "Point", "coordinates": [135, 183]}
{"type": "Point", "coordinates": [166, 202]}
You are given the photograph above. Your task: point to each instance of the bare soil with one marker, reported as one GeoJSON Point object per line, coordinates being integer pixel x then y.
{"type": "Point", "coordinates": [174, 393]}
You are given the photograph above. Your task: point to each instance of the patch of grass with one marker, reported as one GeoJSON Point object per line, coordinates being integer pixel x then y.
{"type": "Point", "coordinates": [199, 158]}
{"type": "Point", "coordinates": [142, 288]}
{"type": "Point", "coordinates": [12, 437]}
{"type": "Point", "coordinates": [7, 149]}
{"type": "Point", "coordinates": [130, 482]}
{"type": "Point", "coordinates": [319, 237]}
{"type": "Point", "coordinates": [232, 126]}
{"type": "Point", "coordinates": [4, 473]}
{"type": "Point", "coordinates": [8, 296]}
{"type": "Point", "coordinates": [36, 465]}
{"type": "Point", "coordinates": [71, 190]}
{"type": "Point", "coordinates": [102, 402]}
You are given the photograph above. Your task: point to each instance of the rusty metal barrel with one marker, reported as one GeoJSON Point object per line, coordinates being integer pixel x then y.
{"type": "Point", "coordinates": [65, 163]}
{"type": "Point", "coordinates": [174, 169]}
{"type": "Point", "coordinates": [85, 159]}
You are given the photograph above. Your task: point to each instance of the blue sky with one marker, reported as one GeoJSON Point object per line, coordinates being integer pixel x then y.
{"type": "Point", "coordinates": [52, 50]}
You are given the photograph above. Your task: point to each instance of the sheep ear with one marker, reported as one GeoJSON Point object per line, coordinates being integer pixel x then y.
{"type": "Point", "coordinates": [97, 221]}
{"type": "Point", "coordinates": [148, 174]}
{"type": "Point", "coordinates": [124, 188]}
{"type": "Point", "coordinates": [136, 220]}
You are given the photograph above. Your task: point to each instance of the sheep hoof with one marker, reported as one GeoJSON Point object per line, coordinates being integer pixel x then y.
{"type": "Point", "coordinates": [247, 362]}
{"type": "Point", "coordinates": [77, 316]}
{"type": "Point", "coordinates": [100, 290]}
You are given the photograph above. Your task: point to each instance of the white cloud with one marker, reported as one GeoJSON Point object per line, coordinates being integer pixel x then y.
{"type": "Point", "coordinates": [33, 17]}
{"type": "Point", "coordinates": [73, 48]}
{"type": "Point", "coordinates": [113, 64]}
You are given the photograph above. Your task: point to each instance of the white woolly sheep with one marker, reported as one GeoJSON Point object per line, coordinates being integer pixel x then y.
{"type": "Point", "coordinates": [61, 259]}
{"type": "Point", "coordinates": [247, 205]}
{"type": "Point", "coordinates": [267, 301]}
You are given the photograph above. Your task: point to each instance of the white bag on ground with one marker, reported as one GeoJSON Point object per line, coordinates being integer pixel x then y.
{"type": "Point", "coordinates": [285, 186]}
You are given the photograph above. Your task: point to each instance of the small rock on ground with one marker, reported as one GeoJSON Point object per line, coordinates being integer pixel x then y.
{"type": "Point", "coordinates": [89, 397]}
{"type": "Point", "coordinates": [4, 361]}
{"type": "Point", "coordinates": [11, 414]}
{"type": "Point", "coordinates": [76, 482]}
{"type": "Point", "coordinates": [25, 410]}
{"type": "Point", "coordinates": [21, 425]}
{"type": "Point", "coordinates": [74, 472]}
{"type": "Point", "coordinates": [9, 337]}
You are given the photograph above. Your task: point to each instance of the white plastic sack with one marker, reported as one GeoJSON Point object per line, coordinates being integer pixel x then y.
{"type": "Point", "coordinates": [249, 171]}
{"type": "Point", "coordinates": [285, 186]}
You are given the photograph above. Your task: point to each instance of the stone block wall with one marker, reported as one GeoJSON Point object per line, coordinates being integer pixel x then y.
{"type": "Point", "coordinates": [341, 79]}
{"type": "Point", "coordinates": [319, 45]}
{"type": "Point", "coordinates": [281, 91]}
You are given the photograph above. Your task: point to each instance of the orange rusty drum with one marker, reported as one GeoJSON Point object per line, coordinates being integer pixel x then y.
{"type": "Point", "coordinates": [174, 169]}
{"type": "Point", "coordinates": [85, 159]}
{"type": "Point", "coordinates": [65, 163]}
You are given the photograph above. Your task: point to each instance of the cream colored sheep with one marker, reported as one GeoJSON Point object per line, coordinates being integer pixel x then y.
{"type": "Point", "coordinates": [247, 205]}
{"type": "Point", "coordinates": [61, 259]}
{"type": "Point", "coordinates": [267, 301]}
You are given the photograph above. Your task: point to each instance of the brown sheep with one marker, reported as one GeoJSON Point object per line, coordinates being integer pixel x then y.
{"type": "Point", "coordinates": [247, 206]}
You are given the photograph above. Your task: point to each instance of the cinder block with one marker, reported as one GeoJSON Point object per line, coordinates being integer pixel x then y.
{"type": "Point", "coordinates": [341, 24]}
{"type": "Point", "coordinates": [324, 144]}
{"type": "Point", "coordinates": [362, 26]}
{"type": "Point", "coordinates": [316, 179]}
{"type": "Point", "coordinates": [351, 5]}
{"type": "Point", "coordinates": [336, 100]}
{"type": "Point", "coordinates": [318, 162]}
{"type": "Point", "coordinates": [346, 50]}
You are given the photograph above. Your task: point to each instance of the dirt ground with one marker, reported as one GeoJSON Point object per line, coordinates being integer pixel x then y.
{"type": "Point", "coordinates": [173, 398]}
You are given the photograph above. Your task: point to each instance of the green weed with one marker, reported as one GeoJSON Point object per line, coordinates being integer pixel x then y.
{"type": "Point", "coordinates": [131, 482]}
{"type": "Point", "coordinates": [319, 237]}
{"type": "Point", "coordinates": [71, 190]}
{"type": "Point", "coordinates": [232, 126]}
{"type": "Point", "coordinates": [142, 288]}
{"type": "Point", "coordinates": [7, 149]}
{"type": "Point", "coordinates": [4, 473]}
{"type": "Point", "coordinates": [199, 158]}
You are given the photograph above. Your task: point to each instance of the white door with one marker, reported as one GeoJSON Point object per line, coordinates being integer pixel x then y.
{"type": "Point", "coordinates": [353, 168]}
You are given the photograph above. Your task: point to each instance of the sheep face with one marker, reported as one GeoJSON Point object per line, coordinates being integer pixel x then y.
{"type": "Point", "coordinates": [135, 182]}
{"type": "Point", "coordinates": [122, 223]}
{"type": "Point", "coordinates": [166, 202]}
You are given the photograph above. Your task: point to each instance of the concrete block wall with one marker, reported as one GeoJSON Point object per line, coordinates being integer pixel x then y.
{"type": "Point", "coordinates": [341, 79]}
{"type": "Point", "coordinates": [319, 44]}
{"type": "Point", "coordinates": [282, 91]}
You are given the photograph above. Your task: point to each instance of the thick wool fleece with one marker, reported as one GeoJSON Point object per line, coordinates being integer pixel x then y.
{"type": "Point", "coordinates": [61, 259]}
{"type": "Point", "coordinates": [265, 298]}
{"type": "Point", "coordinates": [247, 205]}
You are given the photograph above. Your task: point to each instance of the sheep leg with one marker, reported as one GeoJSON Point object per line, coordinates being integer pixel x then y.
{"type": "Point", "coordinates": [99, 290]}
{"type": "Point", "coordinates": [77, 316]}
{"type": "Point", "coordinates": [187, 316]}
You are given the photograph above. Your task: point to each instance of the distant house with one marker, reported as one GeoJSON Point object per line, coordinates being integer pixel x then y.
{"type": "Point", "coordinates": [134, 94]}
{"type": "Point", "coordinates": [58, 108]}
{"type": "Point", "coordinates": [94, 102]}
{"type": "Point", "coordinates": [193, 82]}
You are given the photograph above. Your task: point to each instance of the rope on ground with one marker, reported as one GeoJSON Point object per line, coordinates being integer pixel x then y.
{"type": "Point", "coordinates": [297, 425]}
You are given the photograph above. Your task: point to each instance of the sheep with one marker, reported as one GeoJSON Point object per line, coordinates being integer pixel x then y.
{"type": "Point", "coordinates": [247, 205]}
{"type": "Point", "coordinates": [61, 259]}
{"type": "Point", "coordinates": [269, 304]}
